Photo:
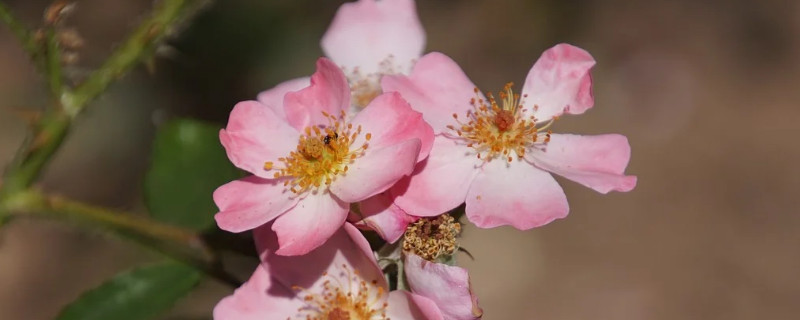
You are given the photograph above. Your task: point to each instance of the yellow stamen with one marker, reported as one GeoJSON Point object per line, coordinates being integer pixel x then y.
{"type": "Point", "coordinates": [495, 129]}
{"type": "Point", "coordinates": [344, 296]}
{"type": "Point", "coordinates": [322, 154]}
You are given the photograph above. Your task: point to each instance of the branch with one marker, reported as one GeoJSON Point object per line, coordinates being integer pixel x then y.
{"type": "Point", "coordinates": [178, 243]}
{"type": "Point", "coordinates": [140, 43]}
{"type": "Point", "coordinates": [24, 36]}
{"type": "Point", "coordinates": [52, 128]}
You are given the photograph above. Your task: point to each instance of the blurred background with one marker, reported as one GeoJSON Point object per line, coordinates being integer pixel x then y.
{"type": "Point", "coordinates": [706, 91]}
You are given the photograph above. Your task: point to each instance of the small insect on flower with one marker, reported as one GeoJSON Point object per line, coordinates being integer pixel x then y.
{"type": "Point", "coordinates": [328, 138]}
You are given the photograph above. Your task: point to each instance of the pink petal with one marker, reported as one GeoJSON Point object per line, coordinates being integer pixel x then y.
{"type": "Point", "coordinates": [309, 224]}
{"type": "Point", "coordinates": [250, 202]}
{"type": "Point", "coordinates": [365, 33]}
{"type": "Point", "coordinates": [257, 299]}
{"type": "Point", "coordinates": [559, 82]}
{"type": "Point", "coordinates": [345, 247]}
{"type": "Point", "coordinates": [376, 171]}
{"type": "Point", "coordinates": [597, 162]}
{"type": "Point", "coordinates": [329, 92]}
{"type": "Point", "coordinates": [449, 287]}
{"type": "Point", "coordinates": [273, 98]}
{"type": "Point", "coordinates": [438, 184]}
{"type": "Point", "coordinates": [390, 120]}
{"type": "Point", "coordinates": [404, 305]}
{"type": "Point", "coordinates": [437, 87]}
{"type": "Point", "coordinates": [379, 213]}
{"type": "Point", "coordinates": [516, 194]}
{"type": "Point", "coordinates": [254, 135]}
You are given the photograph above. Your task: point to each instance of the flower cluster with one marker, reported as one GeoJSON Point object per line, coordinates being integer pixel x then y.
{"type": "Point", "coordinates": [384, 138]}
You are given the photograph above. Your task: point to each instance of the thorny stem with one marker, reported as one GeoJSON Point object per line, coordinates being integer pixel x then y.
{"type": "Point", "coordinates": [24, 36]}
{"type": "Point", "coordinates": [51, 128]}
{"type": "Point", "coordinates": [173, 241]}
{"type": "Point", "coordinates": [141, 43]}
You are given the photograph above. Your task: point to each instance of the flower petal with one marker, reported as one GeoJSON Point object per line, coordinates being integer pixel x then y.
{"type": "Point", "coordinates": [249, 202]}
{"type": "Point", "coordinates": [329, 92]}
{"type": "Point", "coordinates": [390, 120]}
{"type": "Point", "coordinates": [379, 213]}
{"type": "Point", "coordinates": [448, 286]}
{"type": "Point", "coordinates": [257, 299]}
{"type": "Point", "coordinates": [438, 184]}
{"type": "Point", "coordinates": [405, 305]}
{"type": "Point", "coordinates": [254, 135]}
{"type": "Point", "coordinates": [345, 247]}
{"type": "Point", "coordinates": [309, 224]}
{"type": "Point", "coordinates": [597, 162]}
{"type": "Point", "coordinates": [273, 98]}
{"type": "Point", "coordinates": [516, 194]}
{"type": "Point", "coordinates": [365, 33]}
{"type": "Point", "coordinates": [559, 82]}
{"type": "Point", "coordinates": [376, 171]}
{"type": "Point", "coordinates": [436, 87]}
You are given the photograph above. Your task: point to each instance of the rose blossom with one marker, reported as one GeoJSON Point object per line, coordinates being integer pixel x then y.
{"type": "Point", "coordinates": [311, 164]}
{"type": "Point", "coordinates": [369, 39]}
{"type": "Point", "coordinates": [495, 154]}
{"type": "Point", "coordinates": [340, 280]}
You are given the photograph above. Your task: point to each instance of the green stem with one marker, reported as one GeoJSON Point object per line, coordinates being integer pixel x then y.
{"type": "Point", "coordinates": [179, 243]}
{"type": "Point", "coordinates": [47, 136]}
{"type": "Point", "coordinates": [50, 131]}
{"type": "Point", "coordinates": [141, 43]}
{"type": "Point", "coordinates": [24, 36]}
{"type": "Point", "coordinates": [401, 276]}
{"type": "Point", "coordinates": [53, 67]}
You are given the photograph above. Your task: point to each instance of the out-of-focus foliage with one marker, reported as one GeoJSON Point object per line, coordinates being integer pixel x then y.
{"type": "Point", "coordinates": [188, 163]}
{"type": "Point", "coordinates": [138, 294]}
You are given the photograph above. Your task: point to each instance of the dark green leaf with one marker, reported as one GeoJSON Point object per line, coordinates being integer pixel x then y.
{"type": "Point", "coordinates": [134, 295]}
{"type": "Point", "coordinates": [188, 164]}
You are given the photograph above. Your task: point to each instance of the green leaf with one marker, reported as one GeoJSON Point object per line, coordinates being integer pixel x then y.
{"type": "Point", "coordinates": [141, 293]}
{"type": "Point", "coordinates": [188, 164]}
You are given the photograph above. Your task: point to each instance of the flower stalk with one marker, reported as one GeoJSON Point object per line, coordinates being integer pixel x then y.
{"type": "Point", "coordinates": [181, 244]}
{"type": "Point", "coordinates": [49, 130]}
{"type": "Point", "coordinates": [24, 36]}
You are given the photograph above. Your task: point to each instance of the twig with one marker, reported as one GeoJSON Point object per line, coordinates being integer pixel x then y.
{"type": "Point", "coordinates": [53, 127]}
{"type": "Point", "coordinates": [25, 37]}
{"type": "Point", "coordinates": [179, 243]}
{"type": "Point", "coordinates": [140, 43]}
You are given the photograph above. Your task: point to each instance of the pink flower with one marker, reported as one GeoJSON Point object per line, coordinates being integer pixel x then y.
{"type": "Point", "coordinates": [311, 164]}
{"type": "Point", "coordinates": [448, 287]}
{"type": "Point", "coordinates": [338, 280]}
{"type": "Point", "coordinates": [495, 154]}
{"type": "Point", "coordinates": [368, 39]}
{"type": "Point", "coordinates": [427, 242]}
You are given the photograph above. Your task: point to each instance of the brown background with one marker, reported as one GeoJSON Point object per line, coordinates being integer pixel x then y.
{"type": "Point", "coordinates": [705, 91]}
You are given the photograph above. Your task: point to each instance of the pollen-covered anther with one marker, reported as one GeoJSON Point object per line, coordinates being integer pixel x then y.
{"type": "Point", "coordinates": [497, 128]}
{"type": "Point", "coordinates": [365, 87]}
{"type": "Point", "coordinates": [431, 238]}
{"type": "Point", "coordinates": [322, 154]}
{"type": "Point", "coordinates": [343, 296]}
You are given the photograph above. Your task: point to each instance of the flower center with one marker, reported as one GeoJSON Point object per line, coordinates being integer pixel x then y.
{"type": "Point", "coordinates": [365, 87]}
{"type": "Point", "coordinates": [496, 129]}
{"type": "Point", "coordinates": [345, 296]}
{"type": "Point", "coordinates": [322, 154]}
{"type": "Point", "coordinates": [431, 238]}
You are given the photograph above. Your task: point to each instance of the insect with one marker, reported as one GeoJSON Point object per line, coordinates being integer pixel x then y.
{"type": "Point", "coordinates": [328, 138]}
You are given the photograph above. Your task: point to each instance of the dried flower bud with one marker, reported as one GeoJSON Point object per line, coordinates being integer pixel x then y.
{"type": "Point", "coordinates": [57, 11]}
{"type": "Point", "coordinates": [70, 38]}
